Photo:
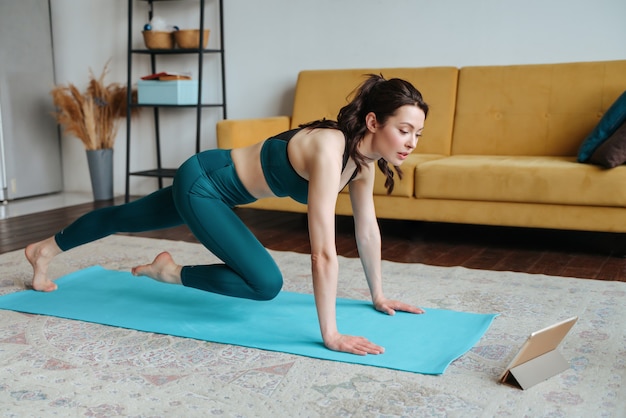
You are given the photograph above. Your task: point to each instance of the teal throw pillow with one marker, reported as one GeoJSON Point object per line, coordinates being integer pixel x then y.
{"type": "Point", "coordinates": [614, 117]}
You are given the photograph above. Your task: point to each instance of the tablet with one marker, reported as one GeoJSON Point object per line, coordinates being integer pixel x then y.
{"type": "Point", "coordinates": [539, 344]}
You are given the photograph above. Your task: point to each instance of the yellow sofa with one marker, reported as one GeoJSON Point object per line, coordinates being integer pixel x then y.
{"type": "Point", "coordinates": [499, 146]}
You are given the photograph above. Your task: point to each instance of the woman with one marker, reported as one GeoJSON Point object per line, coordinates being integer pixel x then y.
{"type": "Point", "coordinates": [311, 164]}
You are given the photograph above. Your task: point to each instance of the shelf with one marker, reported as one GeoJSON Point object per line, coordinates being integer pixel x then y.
{"type": "Point", "coordinates": [152, 54]}
{"type": "Point", "coordinates": [176, 105]}
{"type": "Point", "coordinates": [157, 172]}
{"type": "Point", "coordinates": [175, 51]}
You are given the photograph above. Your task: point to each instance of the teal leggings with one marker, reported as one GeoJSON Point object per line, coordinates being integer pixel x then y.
{"type": "Point", "coordinates": [205, 189]}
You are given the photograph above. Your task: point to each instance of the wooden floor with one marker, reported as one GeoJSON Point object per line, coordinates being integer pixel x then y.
{"type": "Point", "coordinates": [556, 253]}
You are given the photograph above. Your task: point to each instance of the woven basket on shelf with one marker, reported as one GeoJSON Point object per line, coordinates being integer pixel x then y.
{"type": "Point", "coordinates": [158, 40]}
{"type": "Point", "coordinates": [190, 38]}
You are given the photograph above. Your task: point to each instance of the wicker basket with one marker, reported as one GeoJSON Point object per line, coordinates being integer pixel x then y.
{"type": "Point", "coordinates": [190, 38]}
{"type": "Point", "coordinates": [158, 40]}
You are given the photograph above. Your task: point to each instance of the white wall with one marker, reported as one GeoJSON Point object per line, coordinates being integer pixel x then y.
{"type": "Point", "coordinates": [268, 42]}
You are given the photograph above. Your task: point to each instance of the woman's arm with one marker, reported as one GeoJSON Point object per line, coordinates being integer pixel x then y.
{"type": "Point", "coordinates": [367, 231]}
{"type": "Point", "coordinates": [368, 241]}
{"type": "Point", "coordinates": [323, 165]}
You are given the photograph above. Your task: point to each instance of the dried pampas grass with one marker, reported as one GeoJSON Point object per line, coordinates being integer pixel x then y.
{"type": "Point", "coordinates": [92, 116]}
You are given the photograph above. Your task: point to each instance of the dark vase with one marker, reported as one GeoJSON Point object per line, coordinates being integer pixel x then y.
{"type": "Point", "coordinates": [101, 172]}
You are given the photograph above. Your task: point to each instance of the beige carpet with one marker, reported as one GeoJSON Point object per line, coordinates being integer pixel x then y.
{"type": "Point", "coordinates": [57, 367]}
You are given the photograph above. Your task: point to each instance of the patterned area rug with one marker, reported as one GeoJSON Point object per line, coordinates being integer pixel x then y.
{"type": "Point", "coordinates": [55, 367]}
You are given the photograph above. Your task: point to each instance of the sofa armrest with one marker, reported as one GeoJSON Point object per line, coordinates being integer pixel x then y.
{"type": "Point", "coordinates": [237, 133]}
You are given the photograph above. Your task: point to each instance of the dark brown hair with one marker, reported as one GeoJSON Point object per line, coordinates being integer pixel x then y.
{"type": "Point", "coordinates": [382, 97]}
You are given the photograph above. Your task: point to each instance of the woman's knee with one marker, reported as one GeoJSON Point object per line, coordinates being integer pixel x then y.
{"type": "Point", "coordinates": [270, 285]}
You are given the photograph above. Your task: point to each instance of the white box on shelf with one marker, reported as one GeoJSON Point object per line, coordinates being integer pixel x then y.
{"type": "Point", "coordinates": [173, 92]}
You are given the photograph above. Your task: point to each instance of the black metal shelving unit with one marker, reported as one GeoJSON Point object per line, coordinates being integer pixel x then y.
{"type": "Point", "coordinates": [160, 172]}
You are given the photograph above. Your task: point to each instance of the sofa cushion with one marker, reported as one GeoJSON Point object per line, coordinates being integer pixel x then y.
{"type": "Point", "coordinates": [550, 180]}
{"type": "Point", "coordinates": [611, 152]}
{"type": "Point", "coordinates": [406, 186]}
{"type": "Point", "coordinates": [543, 110]}
{"type": "Point", "coordinates": [244, 132]}
{"type": "Point", "coordinates": [614, 117]}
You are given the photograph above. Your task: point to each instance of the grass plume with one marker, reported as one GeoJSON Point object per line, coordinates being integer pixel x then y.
{"type": "Point", "coordinates": [93, 115]}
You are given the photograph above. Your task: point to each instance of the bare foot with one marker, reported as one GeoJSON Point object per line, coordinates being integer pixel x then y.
{"type": "Point", "coordinates": [39, 255]}
{"type": "Point", "coordinates": [163, 269]}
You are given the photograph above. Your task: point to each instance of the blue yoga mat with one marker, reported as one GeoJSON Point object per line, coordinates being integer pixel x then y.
{"type": "Point", "coordinates": [425, 343]}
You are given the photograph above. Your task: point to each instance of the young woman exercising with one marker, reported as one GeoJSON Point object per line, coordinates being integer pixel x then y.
{"type": "Point", "coordinates": [311, 164]}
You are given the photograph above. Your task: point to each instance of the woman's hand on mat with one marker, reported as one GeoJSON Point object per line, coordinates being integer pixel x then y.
{"type": "Point", "coordinates": [391, 306]}
{"type": "Point", "coordinates": [353, 345]}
